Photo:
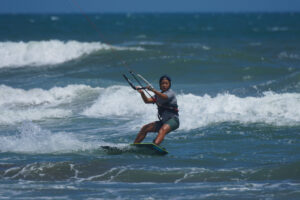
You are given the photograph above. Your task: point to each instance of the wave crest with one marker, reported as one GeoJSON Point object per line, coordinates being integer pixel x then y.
{"type": "Point", "coordinates": [121, 102]}
{"type": "Point", "coordinates": [31, 138]}
{"type": "Point", "coordinates": [19, 105]}
{"type": "Point", "coordinates": [52, 52]}
{"type": "Point", "coordinates": [199, 111]}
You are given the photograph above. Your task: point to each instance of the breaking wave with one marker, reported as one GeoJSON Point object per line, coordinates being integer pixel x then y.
{"type": "Point", "coordinates": [19, 105]}
{"type": "Point", "coordinates": [199, 111]}
{"type": "Point", "coordinates": [121, 102]}
{"type": "Point", "coordinates": [51, 52]}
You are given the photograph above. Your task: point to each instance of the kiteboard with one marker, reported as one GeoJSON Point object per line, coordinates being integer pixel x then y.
{"type": "Point", "coordinates": [151, 146]}
{"type": "Point", "coordinates": [141, 148]}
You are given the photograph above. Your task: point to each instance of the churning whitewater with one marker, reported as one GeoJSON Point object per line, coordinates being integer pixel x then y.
{"type": "Point", "coordinates": [36, 104]}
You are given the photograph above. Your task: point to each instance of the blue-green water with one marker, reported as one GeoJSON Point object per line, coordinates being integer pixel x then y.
{"type": "Point", "coordinates": [62, 96]}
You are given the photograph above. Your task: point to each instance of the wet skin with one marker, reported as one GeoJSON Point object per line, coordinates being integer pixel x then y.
{"type": "Point", "coordinates": [165, 129]}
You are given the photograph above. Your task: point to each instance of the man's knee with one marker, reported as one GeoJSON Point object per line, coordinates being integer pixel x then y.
{"type": "Point", "coordinates": [164, 129]}
{"type": "Point", "coordinates": [147, 128]}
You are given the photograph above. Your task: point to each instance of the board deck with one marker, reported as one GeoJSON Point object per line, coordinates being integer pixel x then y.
{"type": "Point", "coordinates": [141, 148]}
{"type": "Point", "coordinates": [155, 148]}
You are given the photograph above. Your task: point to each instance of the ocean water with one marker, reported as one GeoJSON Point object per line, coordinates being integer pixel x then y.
{"type": "Point", "coordinates": [62, 96]}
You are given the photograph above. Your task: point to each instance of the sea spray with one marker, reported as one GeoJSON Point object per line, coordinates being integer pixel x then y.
{"type": "Point", "coordinates": [19, 105]}
{"type": "Point", "coordinates": [199, 111]}
{"type": "Point", "coordinates": [279, 109]}
{"type": "Point", "coordinates": [32, 138]}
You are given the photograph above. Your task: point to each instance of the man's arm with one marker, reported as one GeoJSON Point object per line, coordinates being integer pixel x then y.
{"type": "Point", "coordinates": [144, 97]}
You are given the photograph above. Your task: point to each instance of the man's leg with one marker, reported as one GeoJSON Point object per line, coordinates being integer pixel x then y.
{"type": "Point", "coordinates": [143, 132]}
{"type": "Point", "coordinates": [163, 131]}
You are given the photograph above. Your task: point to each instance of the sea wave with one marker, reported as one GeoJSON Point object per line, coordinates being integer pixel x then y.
{"type": "Point", "coordinates": [51, 52]}
{"type": "Point", "coordinates": [31, 138]}
{"type": "Point", "coordinates": [19, 105]}
{"type": "Point", "coordinates": [121, 102]}
{"type": "Point", "coordinates": [286, 55]}
{"type": "Point", "coordinates": [199, 111]}
{"type": "Point", "coordinates": [94, 171]}
{"type": "Point", "coordinates": [271, 108]}
{"type": "Point", "coordinates": [277, 28]}
{"type": "Point", "coordinates": [118, 101]}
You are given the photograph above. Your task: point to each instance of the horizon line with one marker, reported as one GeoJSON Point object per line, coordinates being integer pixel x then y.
{"type": "Point", "coordinates": [156, 12]}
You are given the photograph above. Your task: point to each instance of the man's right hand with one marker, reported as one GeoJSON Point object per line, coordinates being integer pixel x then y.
{"type": "Point", "coordinates": [138, 88]}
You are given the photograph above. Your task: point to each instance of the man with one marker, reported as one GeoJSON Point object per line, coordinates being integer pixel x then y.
{"type": "Point", "coordinates": [167, 111]}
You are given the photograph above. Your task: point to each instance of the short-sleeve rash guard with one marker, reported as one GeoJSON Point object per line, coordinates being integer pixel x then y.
{"type": "Point", "coordinates": [171, 102]}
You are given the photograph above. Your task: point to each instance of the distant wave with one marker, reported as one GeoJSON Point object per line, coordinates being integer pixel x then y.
{"type": "Point", "coordinates": [54, 18]}
{"type": "Point", "coordinates": [285, 54]}
{"type": "Point", "coordinates": [143, 43]}
{"type": "Point", "coordinates": [51, 52]}
{"type": "Point", "coordinates": [277, 29]}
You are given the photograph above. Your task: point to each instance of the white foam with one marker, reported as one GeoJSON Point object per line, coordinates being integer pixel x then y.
{"type": "Point", "coordinates": [154, 43]}
{"type": "Point", "coordinates": [284, 55]}
{"type": "Point", "coordinates": [32, 114]}
{"type": "Point", "coordinates": [143, 43]}
{"type": "Point", "coordinates": [199, 111]}
{"type": "Point", "coordinates": [119, 101]}
{"type": "Point", "coordinates": [277, 28]}
{"type": "Point", "coordinates": [54, 18]}
{"type": "Point", "coordinates": [51, 52]}
{"type": "Point", "coordinates": [18, 105]}
{"type": "Point", "coordinates": [33, 139]}
{"type": "Point", "coordinates": [37, 96]}
{"type": "Point", "coordinates": [272, 108]}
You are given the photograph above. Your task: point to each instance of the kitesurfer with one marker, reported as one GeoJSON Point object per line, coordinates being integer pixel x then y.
{"type": "Point", "coordinates": [167, 111]}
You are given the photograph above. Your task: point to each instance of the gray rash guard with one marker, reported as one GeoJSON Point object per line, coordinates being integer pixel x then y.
{"type": "Point", "coordinates": [167, 110]}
